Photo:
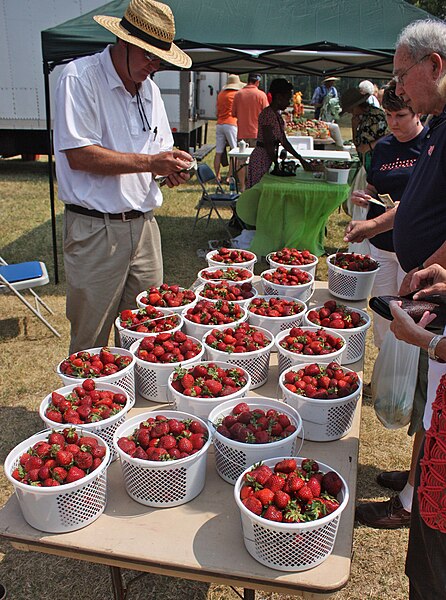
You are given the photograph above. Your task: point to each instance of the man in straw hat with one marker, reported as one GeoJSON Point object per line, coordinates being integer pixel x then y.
{"type": "Point", "coordinates": [112, 138]}
{"type": "Point", "coordinates": [226, 131]}
{"type": "Point", "coordinates": [326, 89]}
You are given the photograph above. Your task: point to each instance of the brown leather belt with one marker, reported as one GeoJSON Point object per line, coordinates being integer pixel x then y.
{"type": "Point", "coordinates": [124, 216]}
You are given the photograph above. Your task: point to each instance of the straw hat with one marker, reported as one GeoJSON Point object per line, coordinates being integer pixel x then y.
{"type": "Point", "coordinates": [331, 78]}
{"type": "Point", "coordinates": [233, 83]}
{"type": "Point", "coordinates": [352, 97]}
{"type": "Point", "coordinates": [149, 25]}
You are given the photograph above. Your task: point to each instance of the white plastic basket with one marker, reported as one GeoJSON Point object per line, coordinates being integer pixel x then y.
{"type": "Point", "coordinates": [339, 176]}
{"type": "Point", "coordinates": [288, 358]}
{"type": "Point", "coordinates": [164, 483]}
{"type": "Point", "coordinates": [233, 457]}
{"type": "Point", "coordinates": [201, 407]}
{"type": "Point", "coordinates": [310, 267]}
{"type": "Point", "coordinates": [324, 420]}
{"type": "Point", "coordinates": [164, 309]}
{"type": "Point", "coordinates": [223, 268]}
{"type": "Point", "coordinates": [151, 378]}
{"type": "Point", "coordinates": [197, 330]}
{"type": "Point", "coordinates": [244, 303]}
{"type": "Point", "coordinates": [277, 324]}
{"type": "Point", "coordinates": [349, 285]}
{"type": "Point", "coordinates": [129, 336]}
{"type": "Point", "coordinates": [290, 546]}
{"type": "Point", "coordinates": [246, 265]}
{"type": "Point", "coordinates": [302, 292]}
{"type": "Point", "coordinates": [104, 429]}
{"type": "Point", "coordinates": [125, 378]}
{"type": "Point", "coordinates": [63, 508]}
{"type": "Point", "coordinates": [355, 337]}
{"type": "Point", "coordinates": [255, 362]}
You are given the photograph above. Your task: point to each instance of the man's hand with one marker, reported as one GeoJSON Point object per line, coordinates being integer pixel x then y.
{"type": "Point", "coordinates": [360, 198]}
{"type": "Point", "coordinates": [358, 231]}
{"type": "Point", "coordinates": [177, 179]}
{"type": "Point", "coordinates": [406, 284]}
{"type": "Point", "coordinates": [169, 163]}
{"type": "Point", "coordinates": [404, 327]}
{"type": "Point", "coordinates": [431, 280]}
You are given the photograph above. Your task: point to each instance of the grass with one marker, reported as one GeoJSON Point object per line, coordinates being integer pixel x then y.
{"type": "Point", "coordinates": [29, 354]}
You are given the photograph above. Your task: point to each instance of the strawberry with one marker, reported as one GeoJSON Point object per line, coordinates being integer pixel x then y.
{"type": "Point", "coordinates": [332, 483]}
{"type": "Point", "coordinates": [287, 465]}
{"type": "Point", "coordinates": [265, 495]}
{"type": "Point", "coordinates": [292, 513]}
{"type": "Point", "coordinates": [281, 499]}
{"type": "Point", "coordinates": [253, 504]}
{"type": "Point", "coordinates": [64, 458]}
{"type": "Point", "coordinates": [74, 474]}
{"type": "Point", "coordinates": [275, 483]}
{"type": "Point", "coordinates": [304, 493]}
{"type": "Point", "coordinates": [331, 503]}
{"type": "Point", "coordinates": [314, 486]}
{"type": "Point", "coordinates": [273, 514]}
{"type": "Point", "coordinates": [83, 460]}
{"type": "Point", "coordinates": [309, 465]}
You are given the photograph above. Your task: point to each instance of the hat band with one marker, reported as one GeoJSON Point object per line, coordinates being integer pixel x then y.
{"type": "Point", "coordinates": [145, 37]}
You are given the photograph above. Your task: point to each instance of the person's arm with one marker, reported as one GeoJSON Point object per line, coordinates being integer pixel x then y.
{"type": "Point", "coordinates": [316, 99]}
{"type": "Point", "coordinates": [358, 231]}
{"type": "Point", "coordinates": [404, 328]}
{"type": "Point", "coordinates": [268, 140]}
{"type": "Point", "coordinates": [289, 148]}
{"type": "Point", "coordinates": [362, 197]}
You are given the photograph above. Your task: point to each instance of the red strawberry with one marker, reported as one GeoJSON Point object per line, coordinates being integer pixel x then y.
{"type": "Point", "coordinates": [309, 465]}
{"type": "Point", "coordinates": [273, 514]}
{"type": "Point", "coordinates": [74, 474]}
{"type": "Point", "coordinates": [314, 486]}
{"type": "Point", "coordinates": [253, 504]}
{"type": "Point", "coordinates": [185, 445]}
{"type": "Point", "coordinates": [332, 483]}
{"type": "Point", "coordinates": [281, 499]}
{"type": "Point", "coordinates": [83, 460]}
{"type": "Point", "coordinates": [305, 494]}
{"type": "Point", "coordinates": [275, 483]}
{"type": "Point", "coordinates": [287, 465]}
{"type": "Point", "coordinates": [127, 446]}
{"type": "Point", "coordinates": [266, 496]}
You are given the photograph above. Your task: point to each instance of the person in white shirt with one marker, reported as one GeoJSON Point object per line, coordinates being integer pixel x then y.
{"type": "Point", "coordinates": [111, 138]}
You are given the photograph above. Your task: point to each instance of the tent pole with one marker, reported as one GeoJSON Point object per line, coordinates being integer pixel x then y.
{"type": "Point", "coordinates": [46, 71]}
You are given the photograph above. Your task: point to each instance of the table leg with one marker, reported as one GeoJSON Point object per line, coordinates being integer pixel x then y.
{"type": "Point", "coordinates": [119, 591]}
{"type": "Point", "coordinates": [249, 594]}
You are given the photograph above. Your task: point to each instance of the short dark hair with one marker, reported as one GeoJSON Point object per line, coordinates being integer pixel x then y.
{"type": "Point", "coordinates": [280, 86]}
{"type": "Point", "coordinates": [253, 77]}
{"type": "Point", "coordinates": [391, 101]}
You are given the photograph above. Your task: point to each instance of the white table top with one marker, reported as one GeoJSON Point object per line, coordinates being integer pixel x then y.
{"type": "Point", "coordinates": [321, 154]}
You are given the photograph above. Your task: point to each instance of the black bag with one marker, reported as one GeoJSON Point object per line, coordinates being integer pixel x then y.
{"type": "Point", "coordinates": [414, 308]}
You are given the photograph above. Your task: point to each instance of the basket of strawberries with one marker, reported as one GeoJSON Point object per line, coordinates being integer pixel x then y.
{"type": "Point", "coordinates": [351, 322]}
{"type": "Point", "coordinates": [325, 395]}
{"type": "Point", "coordinates": [245, 346]}
{"type": "Point", "coordinates": [200, 388]}
{"type": "Point", "coordinates": [239, 293]}
{"type": "Point", "coordinates": [133, 325]}
{"type": "Point", "coordinates": [288, 281]}
{"type": "Point", "coordinates": [350, 275]}
{"type": "Point", "coordinates": [252, 430]}
{"type": "Point", "coordinates": [231, 256]}
{"type": "Point", "coordinates": [163, 457]}
{"type": "Point", "coordinates": [111, 365]}
{"type": "Point", "coordinates": [290, 509]}
{"type": "Point", "coordinates": [276, 313]}
{"type": "Point", "coordinates": [166, 298]}
{"type": "Point", "coordinates": [292, 257]}
{"type": "Point", "coordinates": [157, 356]}
{"type": "Point", "coordinates": [232, 274]}
{"type": "Point", "coordinates": [206, 315]}
{"type": "Point", "coordinates": [60, 478]}
{"type": "Point", "coordinates": [306, 344]}
{"type": "Point", "coordinates": [93, 405]}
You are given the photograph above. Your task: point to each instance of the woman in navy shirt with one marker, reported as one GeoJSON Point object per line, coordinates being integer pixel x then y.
{"type": "Point", "coordinates": [394, 158]}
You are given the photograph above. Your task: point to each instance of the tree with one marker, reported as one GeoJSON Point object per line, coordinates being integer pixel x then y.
{"type": "Point", "coordinates": [434, 7]}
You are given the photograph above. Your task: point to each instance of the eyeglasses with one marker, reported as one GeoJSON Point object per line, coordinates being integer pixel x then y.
{"type": "Point", "coordinates": [150, 56]}
{"type": "Point", "coordinates": [399, 79]}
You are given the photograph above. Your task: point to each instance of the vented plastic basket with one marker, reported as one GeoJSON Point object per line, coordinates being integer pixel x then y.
{"type": "Point", "coordinates": [151, 378]}
{"type": "Point", "coordinates": [244, 303]}
{"type": "Point", "coordinates": [255, 362]}
{"type": "Point", "coordinates": [223, 268]}
{"type": "Point", "coordinates": [246, 265]}
{"type": "Point", "coordinates": [201, 407]}
{"type": "Point", "coordinates": [233, 457]}
{"type": "Point", "coordinates": [288, 358]}
{"type": "Point", "coordinates": [302, 292]}
{"type": "Point", "coordinates": [61, 508]}
{"type": "Point", "coordinates": [290, 546]}
{"type": "Point", "coordinates": [323, 420]}
{"type": "Point", "coordinates": [310, 267]}
{"type": "Point", "coordinates": [355, 337]}
{"type": "Point", "coordinates": [277, 324]}
{"type": "Point", "coordinates": [349, 285]}
{"type": "Point", "coordinates": [167, 483]}
{"type": "Point", "coordinates": [197, 330]}
{"type": "Point", "coordinates": [164, 309]}
{"type": "Point", "coordinates": [339, 176]}
{"type": "Point", "coordinates": [104, 429]}
{"type": "Point", "coordinates": [128, 336]}
{"type": "Point", "coordinates": [125, 378]}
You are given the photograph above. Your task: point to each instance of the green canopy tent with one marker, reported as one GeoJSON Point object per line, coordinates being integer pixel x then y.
{"type": "Point", "coordinates": [352, 38]}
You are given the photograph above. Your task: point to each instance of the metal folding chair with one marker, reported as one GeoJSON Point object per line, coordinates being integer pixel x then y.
{"type": "Point", "coordinates": [25, 276]}
{"type": "Point", "coordinates": [215, 200]}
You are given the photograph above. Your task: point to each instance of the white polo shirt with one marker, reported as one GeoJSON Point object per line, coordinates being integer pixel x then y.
{"type": "Point", "coordinates": [94, 108]}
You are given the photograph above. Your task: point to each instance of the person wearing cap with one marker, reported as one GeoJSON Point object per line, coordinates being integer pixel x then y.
{"type": "Point", "coordinates": [111, 138]}
{"type": "Point", "coordinates": [368, 123]}
{"type": "Point", "coordinates": [326, 89]}
{"type": "Point", "coordinates": [248, 104]}
{"type": "Point", "coordinates": [226, 130]}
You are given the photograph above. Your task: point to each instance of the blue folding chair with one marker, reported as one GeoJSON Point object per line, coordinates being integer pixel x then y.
{"type": "Point", "coordinates": [25, 276]}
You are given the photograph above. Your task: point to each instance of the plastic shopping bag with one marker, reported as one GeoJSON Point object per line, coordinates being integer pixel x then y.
{"type": "Point", "coordinates": [394, 380]}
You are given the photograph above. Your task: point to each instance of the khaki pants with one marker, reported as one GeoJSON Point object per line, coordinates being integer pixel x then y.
{"type": "Point", "coordinates": [107, 263]}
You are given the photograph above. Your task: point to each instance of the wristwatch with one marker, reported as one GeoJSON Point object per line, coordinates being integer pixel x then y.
{"type": "Point", "coordinates": [432, 347]}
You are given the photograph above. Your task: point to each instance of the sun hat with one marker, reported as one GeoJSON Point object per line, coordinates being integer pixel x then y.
{"type": "Point", "coordinates": [331, 78]}
{"type": "Point", "coordinates": [233, 83]}
{"type": "Point", "coordinates": [149, 25]}
{"type": "Point", "coordinates": [352, 97]}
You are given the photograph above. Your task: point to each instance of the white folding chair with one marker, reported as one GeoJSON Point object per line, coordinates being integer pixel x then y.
{"type": "Point", "coordinates": [25, 276]}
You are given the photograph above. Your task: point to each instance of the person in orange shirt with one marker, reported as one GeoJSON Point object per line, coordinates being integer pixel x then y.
{"type": "Point", "coordinates": [226, 131]}
{"type": "Point", "coordinates": [248, 104]}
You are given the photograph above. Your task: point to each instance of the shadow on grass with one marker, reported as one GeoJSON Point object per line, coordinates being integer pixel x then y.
{"type": "Point", "coordinates": [21, 424]}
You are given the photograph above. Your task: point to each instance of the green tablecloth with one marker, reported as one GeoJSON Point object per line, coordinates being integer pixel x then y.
{"type": "Point", "coordinates": [289, 212]}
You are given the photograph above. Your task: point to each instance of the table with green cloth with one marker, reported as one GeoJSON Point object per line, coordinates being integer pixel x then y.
{"type": "Point", "coordinates": [289, 212]}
